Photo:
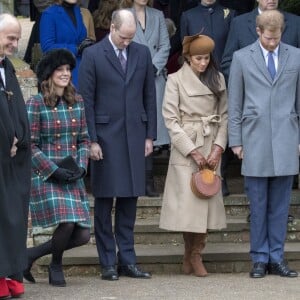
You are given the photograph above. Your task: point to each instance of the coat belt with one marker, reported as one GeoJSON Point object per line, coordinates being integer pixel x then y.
{"type": "Point", "coordinates": [206, 122]}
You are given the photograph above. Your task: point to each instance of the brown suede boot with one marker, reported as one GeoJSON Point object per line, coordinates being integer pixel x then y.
{"type": "Point", "coordinates": [186, 264]}
{"type": "Point", "coordinates": [198, 244]}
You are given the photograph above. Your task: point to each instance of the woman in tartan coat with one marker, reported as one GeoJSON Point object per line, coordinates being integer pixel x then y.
{"type": "Point", "coordinates": [58, 196]}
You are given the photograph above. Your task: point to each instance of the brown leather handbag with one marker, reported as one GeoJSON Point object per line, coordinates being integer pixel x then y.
{"type": "Point", "coordinates": [205, 183]}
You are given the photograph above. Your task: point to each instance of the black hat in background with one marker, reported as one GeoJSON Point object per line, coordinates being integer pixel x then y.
{"type": "Point", "coordinates": [51, 60]}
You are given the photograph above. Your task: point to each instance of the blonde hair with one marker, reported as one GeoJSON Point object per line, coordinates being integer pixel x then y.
{"type": "Point", "coordinates": [270, 20]}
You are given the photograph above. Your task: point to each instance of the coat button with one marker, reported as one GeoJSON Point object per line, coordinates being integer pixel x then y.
{"type": "Point", "coordinates": [73, 147]}
{"type": "Point", "coordinates": [55, 108]}
{"type": "Point", "coordinates": [58, 135]}
{"type": "Point", "coordinates": [73, 120]}
{"type": "Point", "coordinates": [58, 122]}
{"type": "Point", "coordinates": [58, 147]}
{"type": "Point", "coordinates": [70, 107]}
{"type": "Point", "coordinates": [74, 133]}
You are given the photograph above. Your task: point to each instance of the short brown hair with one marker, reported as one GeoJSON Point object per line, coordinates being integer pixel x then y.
{"type": "Point", "coordinates": [270, 20]}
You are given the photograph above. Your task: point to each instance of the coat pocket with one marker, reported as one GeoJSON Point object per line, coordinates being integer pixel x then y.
{"type": "Point", "coordinates": [102, 119]}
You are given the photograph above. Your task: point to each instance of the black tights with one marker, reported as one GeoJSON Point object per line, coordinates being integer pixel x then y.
{"type": "Point", "coordinates": [66, 236]}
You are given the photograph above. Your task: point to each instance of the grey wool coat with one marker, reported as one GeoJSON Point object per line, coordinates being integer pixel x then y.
{"type": "Point", "coordinates": [196, 119]}
{"type": "Point", "coordinates": [264, 114]}
{"type": "Point", "coordinates": [156, 38]}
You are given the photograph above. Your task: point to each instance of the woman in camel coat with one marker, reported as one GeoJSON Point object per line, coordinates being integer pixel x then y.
{"type": "Point", "coordinates": [195, 113]}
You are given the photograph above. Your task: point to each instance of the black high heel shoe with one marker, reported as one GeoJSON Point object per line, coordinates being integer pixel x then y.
{"type": "Point", "coordinates": [56, 275]}
{"type": "Point", "coordinates": [28, 275]}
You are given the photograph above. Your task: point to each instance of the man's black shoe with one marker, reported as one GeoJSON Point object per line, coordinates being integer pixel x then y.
{"type": "Point", "coordinates": [109, 273]}
{"type": "Point", "coordinates": [258, 270]}
{"type": "Point", "coordinates": [282, 269]}
{"type": "Point", "coordinates": [133, 271]}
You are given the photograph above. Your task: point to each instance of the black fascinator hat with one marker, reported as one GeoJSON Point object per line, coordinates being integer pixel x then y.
{"type": "Point", "coordinates": [51, 60]}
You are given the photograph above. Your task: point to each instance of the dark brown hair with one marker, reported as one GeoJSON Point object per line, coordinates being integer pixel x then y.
{"type": "Point", "coordinates": [102, 16]}
{"type": "Point", "coordinates": [50, 96]}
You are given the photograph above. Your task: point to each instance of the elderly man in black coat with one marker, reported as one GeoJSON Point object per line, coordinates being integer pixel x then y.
{"type": "Point", "coordinates": [15, 166]}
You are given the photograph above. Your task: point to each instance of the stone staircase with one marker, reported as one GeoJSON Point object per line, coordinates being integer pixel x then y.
{"type": "Point", "coordinates": [160, 251]}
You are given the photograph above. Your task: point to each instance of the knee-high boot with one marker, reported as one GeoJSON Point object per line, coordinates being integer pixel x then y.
{"type": "Point", "coordinates": [198, 244]}
{"type": "Point", "coordinates": [187, 267]}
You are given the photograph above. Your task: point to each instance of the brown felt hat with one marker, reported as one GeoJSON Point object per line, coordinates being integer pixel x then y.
{"type": "Point", "coordinates": [197, 44]}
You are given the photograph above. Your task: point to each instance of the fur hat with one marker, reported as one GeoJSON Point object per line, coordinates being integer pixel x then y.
{"type": "Point", "coordinates": [197, 44]}
{"type": "Point", "coordinates": [51, 60]}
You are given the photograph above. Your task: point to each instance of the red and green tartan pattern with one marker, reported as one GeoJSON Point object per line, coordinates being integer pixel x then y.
{"type": "Point", "coordinates": [56, 133]}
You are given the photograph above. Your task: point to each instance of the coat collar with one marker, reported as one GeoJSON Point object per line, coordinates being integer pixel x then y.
{"type": "Point", "coordinates": [132, 58]}
{"type": "Point", "coordinates": [260, 62]}
{"type": "Point", "coordinates": [144, 36]}
{"type": "Point", "coordinates": [191, 83]}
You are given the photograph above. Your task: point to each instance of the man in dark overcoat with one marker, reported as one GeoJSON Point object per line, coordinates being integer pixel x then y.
{"type": "Point", "coordinates": [209, 18]}
{"type": "Point", "coordinates": [15, 165]}
{"type": "Point", "coordinates": [117, 84]}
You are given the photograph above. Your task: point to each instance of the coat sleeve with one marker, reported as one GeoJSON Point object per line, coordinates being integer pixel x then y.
{"type": "Point", "coordinates": [235, 102]}
{"type": "Point", "coordinates": [149, 98]}
{"type": "Point", "coordinates": [87, 89]}
{"type": "Point", "coordinates": [41, 164]}
{"type": "Point", "coordinates": [221, 137]}
{"type": "Point", "coordinates": [160, 58]}
{"type": "Point", "coordinates": [83, 139]}
{"type": "Point", "coordinates": [171, 114]}
{"type": "Point", "coordinates": [232, 45]}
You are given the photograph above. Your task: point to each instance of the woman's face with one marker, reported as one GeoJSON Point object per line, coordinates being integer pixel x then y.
{"type": "Point", "coordinates": [61, 76]}
{"type": "Point", "coordinates": [71, 1]}
{"type": "Point", "coordinates": [199, 63]}
{"type": "Point", "coordinates": [140, 2]}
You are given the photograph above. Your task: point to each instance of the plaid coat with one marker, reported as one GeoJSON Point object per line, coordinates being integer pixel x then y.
{"type": "Point", "coordinates": [56, 133]}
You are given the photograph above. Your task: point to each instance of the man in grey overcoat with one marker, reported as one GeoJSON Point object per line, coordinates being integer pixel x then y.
{"type": "Point", "coordinates": [264, 108]}
{"type": "Point", "coordinates": [117, 84]}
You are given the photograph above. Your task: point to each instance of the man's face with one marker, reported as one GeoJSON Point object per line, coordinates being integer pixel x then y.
{"type": "Point", "coordinates": [9, 38]}
{"type": "Point", "coordinates": [207, 2]}
{"type": "Point", "coordinates": [269, 39]}
{"type": "Point", "coordinates": [267, 4]}
{"type": "Point", "coordinates": [123, 36]}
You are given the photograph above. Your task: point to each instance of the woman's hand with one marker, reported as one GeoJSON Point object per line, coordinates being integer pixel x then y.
{"type": "Point", "coordinates": [214, 156]}
{"type": "Point", "coordinates": [198, 158]}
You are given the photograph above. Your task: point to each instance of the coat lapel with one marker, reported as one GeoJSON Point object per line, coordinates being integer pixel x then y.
{"type": "Point", "coordinates": [252, 23]}
{"type": "Point", "coordinates": [150, 24]}
{"type": "Point", "coordinates": [282, 60]}
{"type": "Point", "coordinates": [112, 57]}
{"type": "Point", "coordinates": [258, 59]}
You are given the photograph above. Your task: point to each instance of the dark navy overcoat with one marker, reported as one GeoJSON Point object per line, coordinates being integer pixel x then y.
{"type": "Point", "coordinates": [121, 114]}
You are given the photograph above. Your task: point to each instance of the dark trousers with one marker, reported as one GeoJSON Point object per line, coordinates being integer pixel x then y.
{"type": "Point", "coordinates": [122, 238]}
{"type": "Point", "coordinates": [269, 206]}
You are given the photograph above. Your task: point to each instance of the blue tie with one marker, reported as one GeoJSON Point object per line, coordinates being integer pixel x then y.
{"type": "Point", "coordinates": [271, 65]}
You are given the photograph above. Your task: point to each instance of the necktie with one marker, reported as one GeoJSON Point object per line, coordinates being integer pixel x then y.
{"type": "Point", "coordinates": [122, 60]}
{"type": "Point", "coordinates": [271, 65]}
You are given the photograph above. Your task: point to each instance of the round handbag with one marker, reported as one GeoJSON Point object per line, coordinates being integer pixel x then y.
{"type": "Point", "coordinates": [205, 183]}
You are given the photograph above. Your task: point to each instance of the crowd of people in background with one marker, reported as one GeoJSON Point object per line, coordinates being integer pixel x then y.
{"type": "Point", "coordinates": [121, 80]}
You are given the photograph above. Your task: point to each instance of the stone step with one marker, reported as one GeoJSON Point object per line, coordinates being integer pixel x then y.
{"type": "Point", "coordinates": [147, 231]}
{"type": "Point", "coordinates": [167, 258]}
{"type": "Point", "coordinates": [235, 205]}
